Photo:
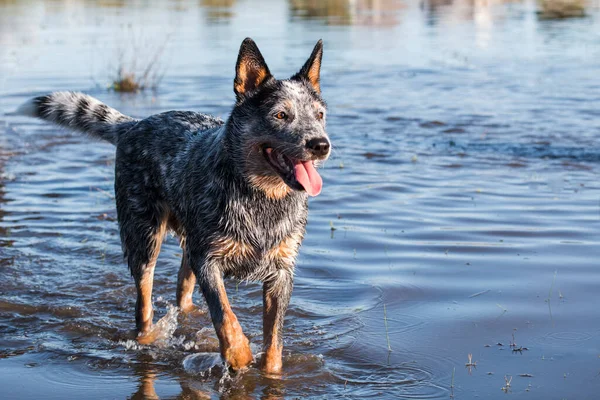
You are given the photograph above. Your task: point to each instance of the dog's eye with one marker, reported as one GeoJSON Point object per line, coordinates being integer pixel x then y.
{"type": "Point", "coordinates": [281, 115]}
{"type": "Point", "coordinates": [320, 115]}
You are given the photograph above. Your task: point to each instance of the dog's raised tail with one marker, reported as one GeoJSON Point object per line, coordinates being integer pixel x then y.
{"type": "Point", "coordinates": [79, 112]}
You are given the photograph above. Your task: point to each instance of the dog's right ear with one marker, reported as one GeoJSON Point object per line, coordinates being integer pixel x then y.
{"type": "Point", "coordinates": [251, 70]}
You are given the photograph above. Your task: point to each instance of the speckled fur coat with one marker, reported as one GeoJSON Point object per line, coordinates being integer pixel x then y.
{"type": "Point", "coordinates": [235, 191]}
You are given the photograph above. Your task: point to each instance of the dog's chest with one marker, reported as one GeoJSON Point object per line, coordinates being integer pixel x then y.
{"type": "Point", "coordinates": [265, 225]}
{"type": "Point", "coordinates": [259, 239]}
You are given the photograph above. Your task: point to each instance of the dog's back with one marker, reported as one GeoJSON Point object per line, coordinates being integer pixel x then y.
{"type": "Point", "coordinates": [156, 151]}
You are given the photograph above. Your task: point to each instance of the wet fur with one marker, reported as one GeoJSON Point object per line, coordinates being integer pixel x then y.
{"type": "Point", "coordinates": [206, 180]}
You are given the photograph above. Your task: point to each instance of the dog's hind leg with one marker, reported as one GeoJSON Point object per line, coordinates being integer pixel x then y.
{"type": "Point", "coordinates": [277, 291]}
{"type": "Point", "coordinates": [186, 282]}
{"type": "Point", "coordinates": [142, 268]}
{"type": "Point", "coordinates": [144, 312]}
{"type": "Point", "coordinates": [143, 224]}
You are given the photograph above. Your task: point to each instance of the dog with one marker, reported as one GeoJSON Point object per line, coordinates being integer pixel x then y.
{"type": "Point", "coordinates": [235, 192]}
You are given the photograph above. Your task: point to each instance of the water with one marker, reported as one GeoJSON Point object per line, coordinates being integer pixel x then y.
{"type": "Point", "coordinates": [463, 194]}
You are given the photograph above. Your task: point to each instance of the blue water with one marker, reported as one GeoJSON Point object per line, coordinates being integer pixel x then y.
{"type": "Point", "coordinates": [463, 194]}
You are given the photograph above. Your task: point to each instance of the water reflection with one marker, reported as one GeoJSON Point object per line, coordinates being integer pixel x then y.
{"type": "Point", "coordinates": [242, 386]}
{"type": "Point", "coordinates": [218, 11]}
{"type": "Point", "coordinates": [5, 155]}
{"type": "Point", "coordinates": [553, 9]}
{"type": "Point", "coordinates": [111, 3]}
{"type": "Point", "coordinates": [465, 166]}
{"type": "Point", "coordinates": [388, 12]}
{"type": "Point", "coordinates": [147, 377]}
{"type": "Point", "coordinates": [347, 12]}
{"type": "Point", "coordinates": [4, 232]}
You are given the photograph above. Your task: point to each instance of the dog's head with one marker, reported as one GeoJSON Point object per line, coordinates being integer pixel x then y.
{"type": "Point", "coordinates": [280, 124]}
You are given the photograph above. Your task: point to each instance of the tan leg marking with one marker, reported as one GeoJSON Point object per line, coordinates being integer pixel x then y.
{"type": "Point", "coordinates": [186, 282]}
{"type": "Point", "coordinates": [271, 361]}
{"type": "Point", "coordinates": [235, 347]}
{"type": "Point", "coordinates": [144, 292]}
{"type": "Point", "coordinates": [276, 296]}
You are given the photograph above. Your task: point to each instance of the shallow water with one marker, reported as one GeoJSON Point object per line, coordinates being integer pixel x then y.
{"type": "Point", "coordinates": [461, 205]}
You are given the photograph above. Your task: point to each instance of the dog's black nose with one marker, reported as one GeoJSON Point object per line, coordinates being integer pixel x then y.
{"type": "Point", "coordinates": [318, 146]}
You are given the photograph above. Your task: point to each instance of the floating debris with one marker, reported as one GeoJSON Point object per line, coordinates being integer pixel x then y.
{"type": "Point", "coordinates": [507, 381]}
{"type": "Point", "coordinates": [479, 293]}
{"type": "Point", "coordinates": [369, 155]}
{"type": "Point", "coordinates": [471, 364]}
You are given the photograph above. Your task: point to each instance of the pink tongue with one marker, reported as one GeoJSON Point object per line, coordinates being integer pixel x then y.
{"type": "Point", "coordinates": [308, 177]}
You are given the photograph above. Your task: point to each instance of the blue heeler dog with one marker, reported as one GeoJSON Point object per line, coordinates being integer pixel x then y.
{"type": "Point", "coordinates": [235, 192]}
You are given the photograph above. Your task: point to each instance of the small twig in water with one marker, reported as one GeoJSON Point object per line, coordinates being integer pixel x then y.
{"type": "Point", "coordinates": [479, 293]}
{"type": "Point", "coordinates": [515, 348]}
{"type": "Point", "coordinates": [108, 194]}
{"type": "Point", "coordinates": [470, 365]}
{"type": "Point", "coordinates": [386, 329]}
{"type": "Point", "coordinates": [504, 310]}
{"type": "Point", "coordinates": [519, 349]}
{"type": "Point", "coordinates": [552, 286]}
{"type": "Point", "coordinates": [507, 382]}
{"type": "Point", "coordinates": [452, 384]}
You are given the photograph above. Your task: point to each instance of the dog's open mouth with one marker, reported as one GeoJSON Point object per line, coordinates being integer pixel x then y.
{"type": "Point", "coordinates": [297, 174]}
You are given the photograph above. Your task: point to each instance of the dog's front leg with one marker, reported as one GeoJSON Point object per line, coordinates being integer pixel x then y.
{"type": "Point", "coordinates": [234, 345]}
{"type": "Point", "coordinates": [276, 297]}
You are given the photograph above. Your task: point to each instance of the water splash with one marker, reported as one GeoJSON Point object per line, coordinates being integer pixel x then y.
{"type": "Point", "coordinates": [163, 331]}
{"type": "Point", "coordinates": [202, 363]}
{"type": "Point", "coordinates": [166, 326]}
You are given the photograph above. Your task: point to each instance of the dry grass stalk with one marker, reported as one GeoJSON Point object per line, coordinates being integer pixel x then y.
{"type": "Point", "coordinates": [130, 78]}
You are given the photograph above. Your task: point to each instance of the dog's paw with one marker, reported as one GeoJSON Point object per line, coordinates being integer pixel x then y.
{"type": "Point", "coordinates": [270, 363]}
{"type": "Point", "coordinates": [238, 355]}
{"type": "Point", "coordinates": [189, 308]}
{"type": "Point", "coordinates": [148, 336]}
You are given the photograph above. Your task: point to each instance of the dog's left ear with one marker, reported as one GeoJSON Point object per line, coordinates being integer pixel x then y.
{"type": "Point", "coordinates": [311, 70]}
{"type": "Point", "coordinates": [251, 70]}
